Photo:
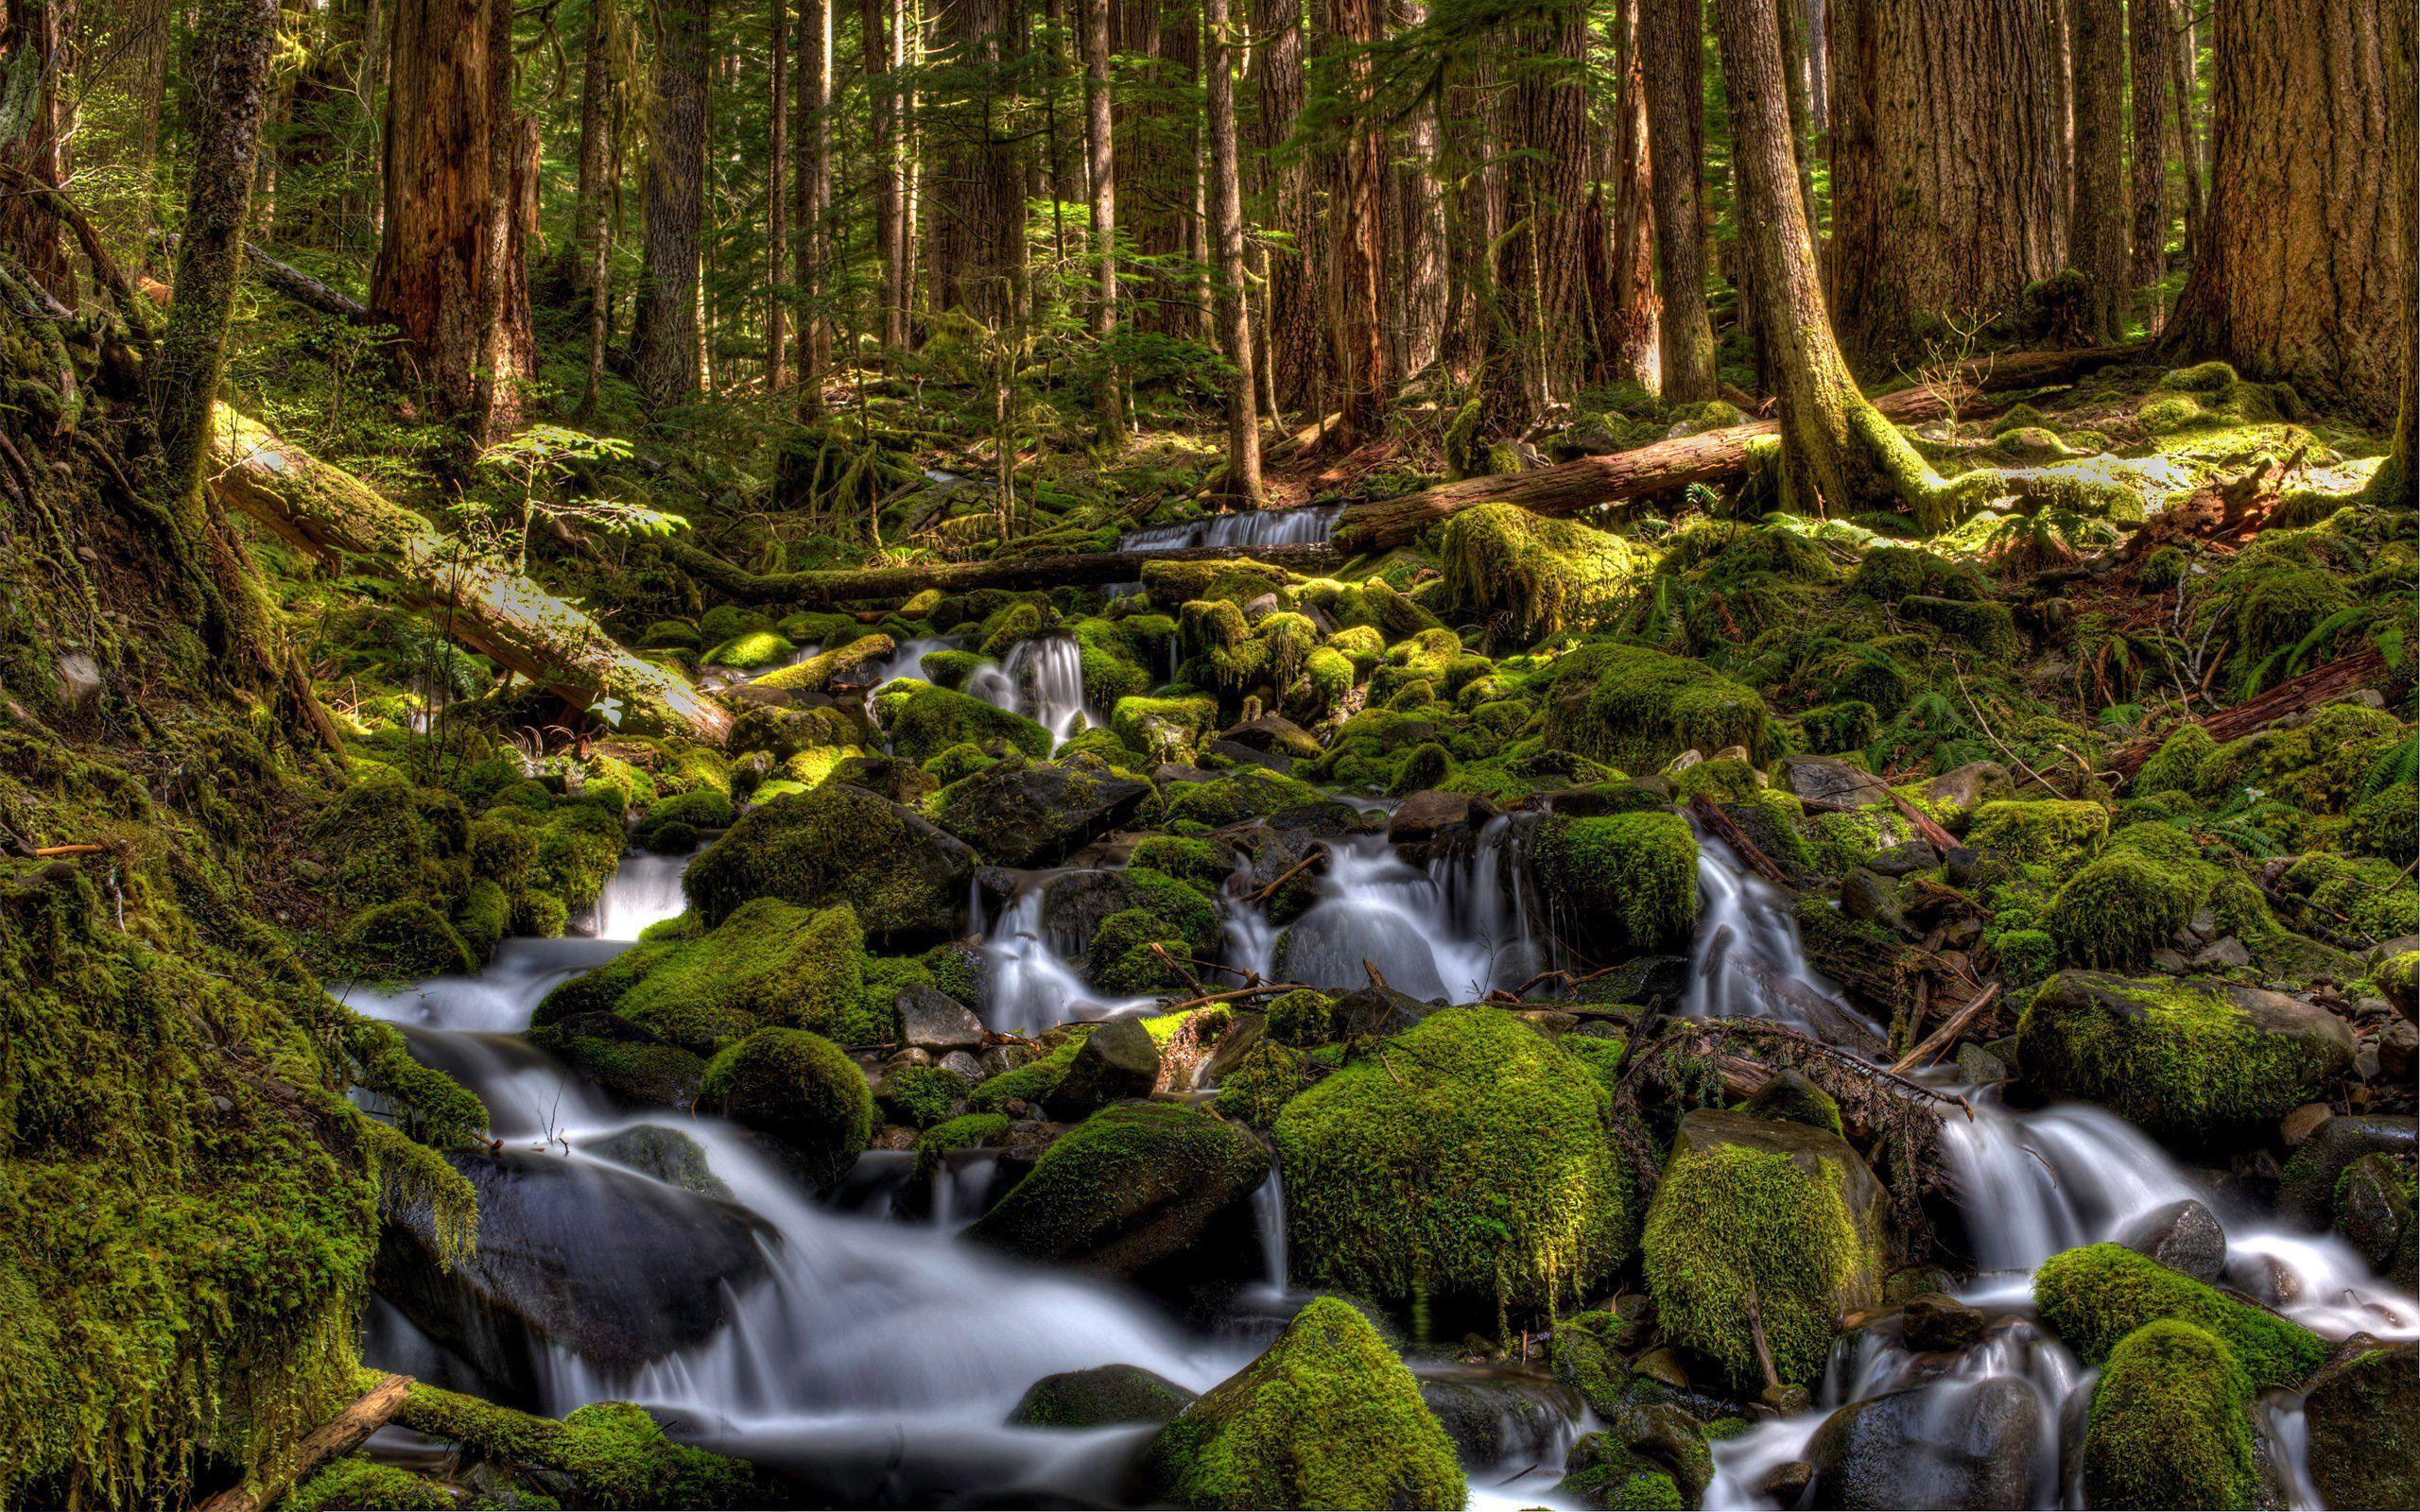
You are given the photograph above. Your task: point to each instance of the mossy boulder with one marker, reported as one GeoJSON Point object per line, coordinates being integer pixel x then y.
{"type": "Point", "coordinates": [1627, 883]}
{"type": "Point", "coordinates": [751, 652]}
{"type": "Point", "coordinates": [1020, 814]}
{"type": "Point", "coordinates": [1102, 1396]}
{"type": "Point", "coordinates": [1164, 730]}
{"type": "Point", "coordinates": [925, 721]}
{"type": "Point", "coordinates": [2187, 1061]}
{"type": "Point", "coordinates": [769, 963]}
{"type": "Point", "coordinates": [607, 1454]}
{"type": "Point", "coordinates": [1130, 1190]}
{"type": "Point", "coordinates": [803, 1089]}
{"type": "Point", "coordinates": [633, 1064]}
{"type": "Point", "coordinates": [1327, 1417]}
{"type": "Point", "coordinates": [1471, 1160]}
{"type": "Point", "coordinates": [2362, 1412]}
{"type": "Point", "coordinates": [2169, 1426]}
{"type": "Point", "coordinates": [404, 939]}
{"type": "Point", "coordinates": [2047, 831]}
{"type": "Point", "coordinates": [839, 843]}
{"type": "Point", "coordinates": [1543, 574]}
{"type": "Point", "coordinates": [1780, 1218]}
{"type": "Point", "coordinates": [1255, 793]}
{"type": "Point", "coordinates": [1636, 709]}
{"type": "Point", "coordinates": [2093, 1298]}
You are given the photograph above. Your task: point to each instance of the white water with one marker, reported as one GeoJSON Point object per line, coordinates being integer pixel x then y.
{"type": "Point", "coordinates": [1044, 680]}
{"type": "Point", "coordinates": [1377, 910]}
{"type": "Point", "coordinates": [1263, 528]}
{"type": "Point", "coordinates": [1032, 978]}
{"type": "Point", "coordinates": [1748, 961]}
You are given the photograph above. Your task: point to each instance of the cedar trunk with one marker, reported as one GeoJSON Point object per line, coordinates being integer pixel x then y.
{"type": "Point", "coordinates": [2097, 244]}
{"type": "Point", "coordinates": [1672, 45]}
{"type": "Point", "coordinates": [1296, 269]}
{"type": "Point", "coordinates": [1535, 336]}
{"type": "Point", "coordinates": [1227, 226]}
{"type": "Point", "coordinates": [2147, 33]}
{"type": "Point", "coordinates": [1101, 166]}
{"type": "Point", "coordinates": [665, 328]}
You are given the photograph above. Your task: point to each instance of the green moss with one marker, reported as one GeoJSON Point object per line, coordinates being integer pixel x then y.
{"type": "Point", "coordinates": [1252, 793]}
{"type": "Point", "coordinates": [1260, 1084]}
{"type": "Point", "coordinates": [1328, 1417]}
{"type": "Point", "coordinates": [2124, 905]}
{"type": "Point", "coordinates": [1168, 1159]}
{"type": "Point", "coordinates": [803, 1089]}
{"type": "Point", "coordinates": [2093, 1298]}
{"type": "Point", "coordinates": [1302, 1018]}
{"type": "Point", "coordinates": [612, 1454]}
{"type": "Point", "coordinates": [406, 939]}
{"type": "Point", "coordinates": [1198, 863]}
{"type": "Point", "coordinates": [703, 808]}
{"type": "Point", "coordinates": [922, 1096]}
{"type": "Point", "coordinates": [1030, 1082]}
{"type": "Point", "coordinates": [2039, 832]}
{"type": "Point", "coordinates": [1543, 574]}
{"type": "Point", "coordinates": [354, 1481]}
{"type": "Point", "coordinates": [966, 1132]}
{"type": "Point", "coordinates": [1171, 583]}
{"type": "Point", "coordinates": [1627, 882]}
{"type": "Point", "coordinates": [750, 651]}
{"type": "Point", "coordinates": [2178, 1057]}
{"type": "Point", "coordinates": [769, 963]}
{"type": "Point", "coordinates": [836, 844]}
{"type": "Point", "coordinates": [816, 672]}
{"type": "Point", "coordinates": [1470, 1159]}
{"type": "Point", "coordinates": [2345, 896]}
{"type": "Point", "coordinates": [2169, 1426]}
{"type": "Point", "coordinates": [929, 720]}
{"type": "Point", "coordinates": [1990, 629]}
{"type": "Point", "coordinates": [2176, 766]}
{"type": "Point", "coordinates": [1637, 708]}
{"type": "Point", "coordinates": [1587, 1354]}
{"type": "Point", "coordinates": [1164, 730]}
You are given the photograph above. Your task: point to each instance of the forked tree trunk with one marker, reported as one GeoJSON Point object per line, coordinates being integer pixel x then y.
{"type": "Point", "coordinates": [2305, 269]}
{"type": "Point", "coordinates": [1837, 453]}
{"type": "Point", "coordinates": [666, 328]}
{"type": "Point", "coordinates": [1671, 42]}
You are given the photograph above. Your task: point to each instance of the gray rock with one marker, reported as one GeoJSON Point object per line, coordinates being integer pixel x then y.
{"type": "Point", "coordinates": [1965, 789]}
{"type": "Point", "coordinates": [963, 1066]}
{"type": "Point", "coordinates": [2222, 955]}
{"type": "Point", "coordinates": [1830, 780]}
{"type": "Point", "coordinates": [1979, 1067]}
{"type": "Point", "coordinates": [1118, 1060]}
{"type": "Point", "coordinates": [80, 679]}
{"type": "Point", "coordinates": [666, 1154]}
{"type": "Point", "coordinates": [1905, 859]}
{"type": "Point", "coordinates": [1934, 1323]}
{"type": "Point", "coordinates": [2307, 1193]}
{"type": "Point", "coordinates": [1954, 1444]}
{"type": "Point", "coordinates": [2373, 1213]}
{"type": "Point", "coordinates": [2360, 1411]}
{"type": "Point", "coordinates": [1866, 896]}
{"type": "Point", "coordinates": [1102, 1396]}
{"type": "Point", "coordinates": [1501, 1416]}
{"type": "Point", "coordinates": [1022, 814]}
{"type": "Point", "coordinates": [2184, 1236]}
{"type": "Point", "coordinates": [1419, 819]}
{"type": "Point", "coordinates": [930, 1019]}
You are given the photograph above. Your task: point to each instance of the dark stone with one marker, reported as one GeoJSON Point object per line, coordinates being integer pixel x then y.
{"type": "Point", "coordinates": [2362, 1412]}
{"type": "Point", "coordinates": [930, 1019]}
{"type": "Point", "coordinates": [1027, 814]}
{"type": "Point", "coordinates": [1643, 979]}
{"type": "Point", "coordinates": [2398, 1043]}
{"type": "Point", "coordinates": [1905, 859]}
{"type": "Point", "coordinates": [1867, 895]}
{"type": "Point", "coordinates": [1933, 1323]}
{"type": "Point", "coordinates": [1273, 734]}
{"type": "Point", "coordinates": [1789, 1095]}
{"type": "Point", "coordinates": [1829, 781]}
{"type": "Point", "coordinates": [1241, 755]}
{"type": "Point", "coordinates": [628, 1061]}
{"type": "Point", "coordinates": [2374, 1213]}
{"type": "Point", "coordinates": [2184, 1236]}
{"type": "Point", "coordinates": [1419, 819]}
{"type": "Point", "coordinates": [1979, 1067]}
{"type": "Point", "coordinates": [1911, 1449]}
{"type": "Point", "coordinates": [666, 1154]}
{"type": "Point", "coordinates": [1376, 1012]}
{"type": "Point", "coordinates": [1118, 1060]}
{"type": "Point", "coordinates": [1101, 1396]}
{"type": "Point", "coordinates": [2307, 1193]}
{"type": "Point", "coordinates": [1501, 1416]}
{"type": "Point", "coordinates": [1786, 1482]}
{"type": "Point", "coordinates": [1143, 1191]}
{"type": "Point", "coordinates": [1968, 787]}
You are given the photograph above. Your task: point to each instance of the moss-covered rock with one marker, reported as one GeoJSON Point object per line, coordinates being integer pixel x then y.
{"type": "Point", "coordinates": [612, 1454]}
{"type": "Point", "coordinates": [769, 963]}
{"type": "Point", "coordinates": [1020, 814]}
{"type": "Point", "coordinates": [2362, 1412]}
{"type": "Point", "coordinates": [803, 1089]}
{"type": "Point", "coordinates": [354, 1481]}
{"type": "Point", "coordinates": [404, 939]}
{"type": "Point", "coordinates": [2048, 832]}
{"type": "Point", "coordinates": [2169, 1426]}
{"type": "Point", "coordinates": [838, 844]}
{"type": "Point", "coordinates": [1327, 1417]}
{"type": "Point", "coordinates": [1777, 1219]}
{"type": "Point", "coordinates": [1472, 1161]}
{"type": "Point", "coordinates": [923, 721]}
{"type": "Point", "coordinates": [1164, 730]}
{"type": "Point", "coordinates": [2186, 1061]}
{"type": "Point", "coordinates": [1130, 1189]}
{"type": "Point", "coordinates": [1543, 574]}
{"type": "Point", "coordinates": [1256, 793]}
{"type": "Point", "coordinates": [2095, 1296]}
{"type": "Point", "coordinates": [1637, 708]}
{"type": "Point", "coordinates": [1628, 883]}
{"type": "Point", "coordinates": [1102, 1396]}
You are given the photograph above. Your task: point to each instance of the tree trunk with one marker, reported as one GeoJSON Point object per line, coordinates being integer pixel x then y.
{"type": "Point", "coordinates": [1356, 224]}
{"type": "Point", "coordinates": [1101, 171]}
{"type": "Point", "coordinates": [511, 619]}
{"type": "Point", "coordinates": [2184, 60]}
{"type": "Point", "coordinates": [666, 328]}
{"type": "Point", "coordinates": [777, 199]}
{"type": "Point", "coordinates": [445, 145]}
{"type": "Point", "coordinates": [2098, 245]}
{"type": "Point", "coordinates": [1796, 42]}
{"type": "Point", "coordinates": [1421, 227]}
{"type": "Point", "coordinates": [597, 147]}
{"type": "Point", "coordinates": [2304, 272]}
{"type": "Point", "coordinates": [823, 590]}
{"type": "Point", "coordinates": [811, 206]}
{"type": "Point", "coordinates": [1672, 46]}
{"type": "Point", "coordinates": [1535, 334]}
{"type": "Point", "coordinates": [1838, 452]}
{"type": "Point", "coordinates": [33, 57]}
{"type": "Point", "coordinates": [1626, 308]}
{"type": "Point", "coordinates": [1227, 221]}
{"type": "Point", "coordinates": [875, 24]}
{"type": "Point", "coordinates": [1945, 197]}
{"type": "Point", "coordinates": [506, 346]}
{"type": "Point", "coordinates": [977, 241]}
{"type": "Point", "coordinates": [1296, 267]}
{"type": "Point", "coordinates": [2148, 31]}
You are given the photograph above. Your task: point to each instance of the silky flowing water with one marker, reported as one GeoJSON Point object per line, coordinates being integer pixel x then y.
{"type": "Point", "coordinates": [879, 1353]}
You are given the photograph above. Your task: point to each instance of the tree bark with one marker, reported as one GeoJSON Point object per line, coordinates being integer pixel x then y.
{"type": "Point", "coordinates": [1421, 227]}
{"type": "Point", "coordinates": [327, 511]}
{"type": "Point", "coordinates": [1535, 336]}
{"type": "Point", "coordinates": [1296, 267]}
{"type": "Point", "coordinates": [1672, 44]}
{"type": "Point", "coordinates": [1227, 219]}
{"type": "Point", "coordinates": [1837, 450]}
{"type": "Point", "coordinates": [777, 198]}
{"type": "Point", "coordinates": [666, 328]}
{"type": "Point", "coordinates": [822, 590]}
{"type": "Point", "coordinates": [1945, 143]}
{"type": "Point", "coordinates": [1356, 224]}
{"type": "Point", "coordinates": [977, 241]}
{"type": "Point", "coordinates": [2304, 272]}
{"type": "Point", "coordinates": [890, 173]}
{"type": "Point", "coordinates": [507, 345]}
{"type": "Point", "coordinates": [2184, 62]}
{"type": "Point", "coordinates": [33, 62]}
{"type": "Point", "coordinates": [811, 206]}
{"type": "Point", "coordinates": [2147, 28]}
{"type": "Point", "coordinates": [1626, 304]}
{"type": "Point", "coordinates": [340, 1434]}
{"type": "Point", "coordinates": [444, 204]}
{"type": "Point", "coordinates": [1100, 172]}
{"type": "Point", "coordinates": [2097, 243]}
{"type": "Point", "coordinates": [590, 198]}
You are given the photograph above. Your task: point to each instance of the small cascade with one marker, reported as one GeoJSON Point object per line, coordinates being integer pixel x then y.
{"type": "Point", "coordinates": [906, 660]}
{"type": "Point", "coordinates": [645, 890]}
{"type": "Point", "coordinates": [1748, 962]}
{"type": "Point", "coordinates": [1482, 881]}
{"type": "Point", "coordinates": [1377, 908]}
{"type": "Point", "coordinates": [1268, 1216]}
{"type": "Point", "coordinates": [1307, 525]}
{"type": "Point", "coordinates": [1042, 679]}
{"type": "Point", "coordinates": [1030, 977]}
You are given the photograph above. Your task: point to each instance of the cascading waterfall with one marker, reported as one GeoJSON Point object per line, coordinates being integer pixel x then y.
{"type": "Point", "coordinates": [1748, 962]}
{"type": "Point", "coordinates": [1377, 910]}
{"type": "Point", "coordinates": [1306, 525]}
{"type": "Point", "coordinates": [1042, 679]}
{"type": "Point", "coordinates": [1268, 1214]}
{"type": "Point", "coordinates": [1030, 979]}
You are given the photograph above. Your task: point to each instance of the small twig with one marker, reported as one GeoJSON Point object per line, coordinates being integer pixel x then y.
{"type": "Point", "coordinates": [1319, 853]}
{"type": "Point", "coordinates": [1951, 1027]}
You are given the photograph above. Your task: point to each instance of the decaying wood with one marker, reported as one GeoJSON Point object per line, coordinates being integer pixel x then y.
{"type": "Point", "coordinates": [1941, 1039]}
{"type": "Point", "coordinates": [1932, 833]}
{"type": "Point", "coordinates": [1715, 457]}
{"type": "Point", "coordinates": [2321, 684]}
{"type": "Point", "coordinates": [339, 1435]}
{"type": "Point", "coordinates": [822, 590]}
{"type": "Point", "coordinates": [327, 511]}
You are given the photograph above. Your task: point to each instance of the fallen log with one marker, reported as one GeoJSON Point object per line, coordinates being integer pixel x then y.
{"type": "Point", "coordinates": [822, 590]}
{"type": "Point", "coordinates": [327, 511]}
{"type": "Point", "coordinates": [340, 1434]}
{"type": "Point", "coordinates": [1715, 457]}
{"type": "Point", "coordinates": [2320, 685]}
{"type": "Point", "coordinates": [297, 286]}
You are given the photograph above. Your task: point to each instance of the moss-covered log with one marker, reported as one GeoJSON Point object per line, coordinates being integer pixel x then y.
{"type": "Point", "coordinates": [821, 589]}
{"type": "Point", "coordinates": [327, 511]}
{"type": "Point", "coordinates": [1715, 457]}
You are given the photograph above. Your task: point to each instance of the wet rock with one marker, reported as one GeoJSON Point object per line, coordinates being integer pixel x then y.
{"type": "Point", "coordinates": [1789, 1095]}
{"type": "Point", "coordinates": [666, 1154]}
{"type": "Point", "coordinates": [1866, 896]}
{"type": "Point", "coordinates": [2307, 1193]}
{"type": "Point", "coordinates": [1241, 755]}
{"type": "Point", "coordinates": [80, 679]}
{"type": "Point", "coordinates": [1662, 1366]}
{"type": "Point", "coordinates": [619, 1269]}
{"type": "Point", "coordinates": [931, 1019]}
{"type": "Point", "coordinates": [1948, 1445]}
{"type": "Point", "coordinates": [1934, 1323]}
{"type": "Point", "coordinates": [2373, 1212]}
{"type": "Point", "coordinates": [1787, 1482]}
{"type": "Point", "coordinates": [907, 877]}
{"type": "Point", "coordinates": [1142, 1190]}
{"type": "Point", "coordinates": [1643, 979]}
{"type": "Point", "coordinates": [631, 1062]}
{"type": "Point", "coordinates": [2398, 1044]}
{"type": "Point", "coordinates": [2184, 1236]}
{"type": "Point", "coordinates": [1101, 1396]}
{"type": "Point", "coordinates": [1376, 1012]}
{"type": "Point", "coordinates": [2362, 1412]}
{"type": "Point", "coordinates": [1420, 818]}
{"type": "Point", "coordinates": [1022, 814]}
{"type": "Point", "coordinates": [2224, 954]}
{"type": "Point", "coordinates": [2303, 1123]}
{"type": "Point", "coordinates": [1501, 1417]}
{"type": "Point", "coordinates": [1963, 789]}
{"type": "Point", "coordinates": [961, 1065]}
{"type": "Point", "coordinates": [1905, 859]}
{"type": "Point", "coordinates": [1330, 943]}
{"type": "Point", "coordinates": [1118, 1060]}
{"type": "Point", "coordinates": [1979, 1067]}
{"type": "Point", "coordinates": [1273, 734]}
{"type": "Point", "coordinates": [1829, 781]}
